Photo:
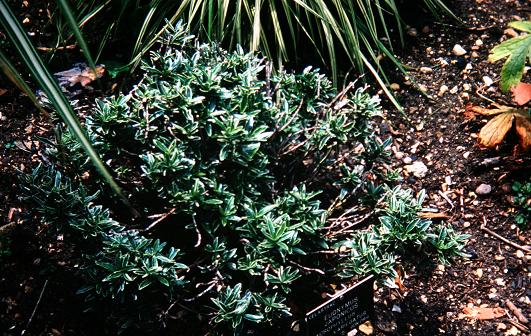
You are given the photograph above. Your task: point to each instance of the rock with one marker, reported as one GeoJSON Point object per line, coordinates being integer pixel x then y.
{"type": "Point", "coordinates": [394, 87]}
{"type": "Point", "coordinates": [466, 155]}
{"type": "Point", "coordinates": [426, 70]}
{"type": "Point", "coordinates": [442, 90]}
{"type": "Point", "coordinates": [454, 90]}
{"type": "Point", "coordinates": [417, 168]}
{"type": "Point", "coordinates": [426, 29]}
{"type": "Point", "coordinates": [510, 32]}
{"type": "Point", "coordinates": [412, 32]}
{"type": "Point", "coordinates": [483, 189]}
{"type": "Point", "coordinates": [399, 155]}
{"type": "Point", "coordinates": [478, 42]}
{"type": "Point", "coordinates": [423, 88]}
{"type": "Point", "coordinates": [396, 309]}
{"type": "Point", "coordinates": [487, 80]}
{"type": "Point", "coordinates": [407, 160]}
{"type": "Point", "coordinates": [366, 328]}
{"type": "Point", "coordinates": [467, 87]}
{"type": "Point", "coordinates": [458, 50]}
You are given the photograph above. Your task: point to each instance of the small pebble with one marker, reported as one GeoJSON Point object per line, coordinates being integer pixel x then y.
{"type": "Point", "coordinates": [458, 50]}
{"type": "Point", "coordinates": [487, 80]}
{"type": "Point", "coordinates": [426, 70]}
{"type": "Point", "coordinates": [394, 87]}
{"type": "Point", "coordinates": [442, 90]}
{"type": "Point", "coordinates": [454, 90]}
{"type": "Point", "coordinates": [483, 189]}
{"type": "Point", "coordinates": [407, 160]}
{"type": "Point", "coordinates": [466, 155]}
{"type": "Point", "coordinates": [474, 54]}
{"type": "Point", "coordinates": [412, 32]}
{"type": "Point", "coordinates": [510, 32]}
{"type": "Point", "coordinates": [417, 168]}
{"type": "Point", "coordinates": [478, 42]}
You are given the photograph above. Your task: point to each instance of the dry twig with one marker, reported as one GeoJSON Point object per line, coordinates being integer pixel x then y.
{"type": "Point", "coordinates": [505, 240]}
{"type": "Point", "coordinates": [35, 308]}
{"type": "Point", "coordinates": [163, 217]}
{"type": "Point", "coordinates": [517, 312]}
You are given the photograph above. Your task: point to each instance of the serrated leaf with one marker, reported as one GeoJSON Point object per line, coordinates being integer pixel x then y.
{"type": "Point", "coordinates": [521, 25]}
{"type": "Point", "coordinates": [518, 49]}
{"type": "Point", "coordinates": [506, 48]}
{"type": "Point", "coordinates": [493, 133]}
{"type": "Point", "coordinates": [513, 68]}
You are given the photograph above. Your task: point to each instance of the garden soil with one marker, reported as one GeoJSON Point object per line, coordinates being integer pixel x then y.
{"type": "Point", "coordinates": [435, 148]}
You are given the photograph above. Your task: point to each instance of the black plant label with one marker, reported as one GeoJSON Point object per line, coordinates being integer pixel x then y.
{"type": "Point", "coordinates": [343, 312]}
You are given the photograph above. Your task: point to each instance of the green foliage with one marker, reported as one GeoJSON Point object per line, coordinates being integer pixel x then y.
{"type": "Point", "coordinates": [517, 50]}
{"type": "Point", "coordinates": [400, 234]}
{"type": "Point", "coordinates": [279, 29]}
{"type": "Point", "coordinates": [20, 40]}
{"type": "Point", "coordinates": [448, 243]}
{"type": "Point", "coordinates": [128, 263]}
{"type": "Point", "coordinates": [120, 263]}
{"type": "Point", "coordinates": [522, 200]}
{"type": "Point", "coordinates": [243, 170]}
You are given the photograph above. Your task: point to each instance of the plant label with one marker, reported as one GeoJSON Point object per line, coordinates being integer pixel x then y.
{"type": "Point", "coordinates": [343, 312]}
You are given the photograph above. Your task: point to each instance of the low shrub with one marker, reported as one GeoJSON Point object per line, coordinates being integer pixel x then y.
{"type": "Point", "coordinates": [250, 175]}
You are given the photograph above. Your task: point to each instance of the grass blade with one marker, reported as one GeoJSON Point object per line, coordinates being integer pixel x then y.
{"type": "Point", "coordinates": [13, 75]}
{"type": "Point", "coordinates": [29, 55]}
{"type": "Point", "coordinates": [72, 23]}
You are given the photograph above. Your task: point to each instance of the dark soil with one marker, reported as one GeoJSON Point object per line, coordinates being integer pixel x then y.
{"type": "Point", "coordinates": [37, 286]}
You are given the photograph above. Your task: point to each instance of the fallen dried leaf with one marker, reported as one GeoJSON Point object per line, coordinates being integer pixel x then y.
{"type": "Point", "coordinates": [521, 93]}
{"type": "Point", "coordinates": [493, 133]}
{"type": "Point", "coordinates": [482, 313]}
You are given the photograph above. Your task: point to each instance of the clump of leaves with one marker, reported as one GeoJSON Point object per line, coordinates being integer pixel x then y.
{"type": "Point", "coordinates": [119, 263]}
{"type": "Point", "coordinates": [240, 169]}
{"type": "Point", "coordinates": [399, 233]}
{"type": "Point", "coordinates": [517, 50]}
{"type": "Point", "coordinates": [522, 202]}
{"type": "Point", "coordinates": [504, 119]}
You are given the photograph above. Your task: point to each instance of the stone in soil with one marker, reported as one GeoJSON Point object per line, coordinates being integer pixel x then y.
{"type": "Point", "coordinates": [458, 50]}
{"type": "Point", "coordinates": [417, 168]}
{"type": "Point", "coordinates": [483, 189]}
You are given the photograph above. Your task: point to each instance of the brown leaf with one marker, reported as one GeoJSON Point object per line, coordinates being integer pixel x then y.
{"type": "Point", "coordinates": [521, 93]}
{"type": "Point", "coordinates": [485, 111]}
{"type": "Point", "coordinates": [523, 129]}
{"type": "Point", "coordinates": [493, 133]}
{"type": "Point", "coordinates": [482, 313]}
{"type": "Point", "coordinates": [2, 91]}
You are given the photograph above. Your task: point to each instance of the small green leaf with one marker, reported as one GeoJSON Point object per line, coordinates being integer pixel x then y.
{"type": "Point", "coordinates": [521, 25]}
